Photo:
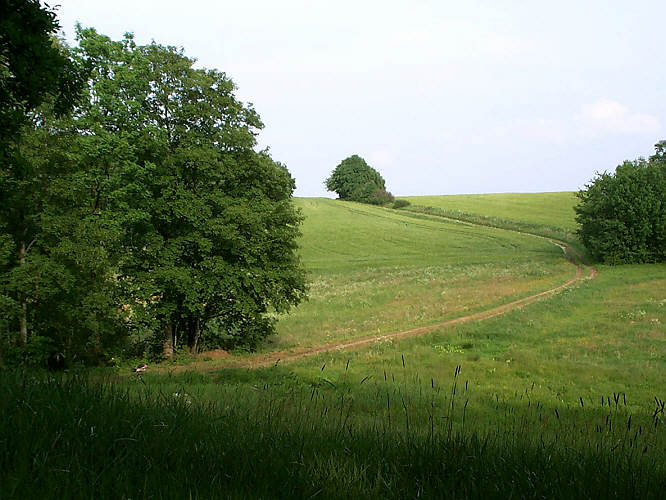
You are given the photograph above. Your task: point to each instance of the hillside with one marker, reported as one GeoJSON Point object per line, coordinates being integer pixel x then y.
{"type": "Point", "coordinates": [374, 270]}
{"type": "Point", "coordinates": [546, 209]}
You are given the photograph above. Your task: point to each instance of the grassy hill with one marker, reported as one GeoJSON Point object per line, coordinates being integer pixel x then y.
{"type": "Point", "coordinates": [546, 209]}
{"type": "Point", "coordinates": [374, 270]}
{"type": "Point", "coordinates": [547, 214]}
{"type": "Point", "coordinates": [561, 399]}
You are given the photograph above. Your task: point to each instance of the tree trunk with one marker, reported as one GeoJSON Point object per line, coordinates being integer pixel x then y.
{"type": "Point", "coordinates": [23, 320]}
{"type": "Point", "coordinates": [167, 342]}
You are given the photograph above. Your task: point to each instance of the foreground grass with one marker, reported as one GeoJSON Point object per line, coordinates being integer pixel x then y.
{"type": "Point", "coordinates": [290, 440]}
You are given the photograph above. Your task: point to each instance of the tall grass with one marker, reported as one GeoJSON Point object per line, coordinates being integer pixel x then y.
{"type": "Point", "coordinates": [72, 438]}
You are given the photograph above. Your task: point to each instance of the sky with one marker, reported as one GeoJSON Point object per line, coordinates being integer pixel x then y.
{"type": "Point", "coordinates": [441, 97]}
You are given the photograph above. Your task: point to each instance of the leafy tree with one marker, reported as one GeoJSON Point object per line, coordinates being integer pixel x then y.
{"type": "Point", "coordinates": [37, 78]}
{"type": "Point", "coordinates": [32, 66]}
{"type": "Point", "coordinates": [354, 180]}
{"type": "Point", "coordinates": [152, 215]}
{"type": "Point", "coordinates": [622, 216]}
{"type": "Point", "coordinates": [209, 227]}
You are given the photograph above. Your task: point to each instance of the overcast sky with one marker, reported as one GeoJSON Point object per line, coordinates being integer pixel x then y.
{"type": "Point", "coordinates": [442, 97]}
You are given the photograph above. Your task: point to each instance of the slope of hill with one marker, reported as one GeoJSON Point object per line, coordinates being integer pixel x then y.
{"type": "Point", "coordinates": [374, 270]}
{"type": "Point", "coordinates": [562, 399]}
{"type": "Point", "coordinates": [547, 209]}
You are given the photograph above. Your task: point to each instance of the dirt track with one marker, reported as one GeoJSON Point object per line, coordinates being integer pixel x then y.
{"type": "Point", "coordinates": [583, 271]}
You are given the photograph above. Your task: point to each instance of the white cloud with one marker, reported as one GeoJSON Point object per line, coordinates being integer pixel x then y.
{"type": "Point", "coordinates": [604, 117]}
{"type": "Point", "coordinates": [609, 116]}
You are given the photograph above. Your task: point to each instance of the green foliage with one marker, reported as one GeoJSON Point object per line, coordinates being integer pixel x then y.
{"type": "Point", "coordinates": [32, 66]}
{"type": "Point", "coordinates": [401, 203]}
{"type": "Point", "coordinates": [38, 82]}
{"type": "Point", "coordinates": [354, 180]}
{"type": "Point", "coordinates": [151, 215]}
{"type": "Point", "coordinates": [622, 216]}
{"type": "Point", "coordinates": [208, 225]}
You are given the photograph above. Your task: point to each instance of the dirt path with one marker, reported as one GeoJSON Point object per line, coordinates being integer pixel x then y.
{"type": "Point", "coordinates": [583, 271]}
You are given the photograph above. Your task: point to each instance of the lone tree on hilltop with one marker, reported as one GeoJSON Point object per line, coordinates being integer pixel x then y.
{"type": "Point", "coordinates": [622, 216]}
{"type": "Point", "coordinates": [354, 180]}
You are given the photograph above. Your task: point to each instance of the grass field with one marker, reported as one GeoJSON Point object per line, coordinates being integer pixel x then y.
{"type": "Point", "coordinates": [547, 214]}
{"type": "Point", "coordinates": [374, 270]}
{"type": "Point", "coordinates": [545, 209]}
{"type": "Point", "coordinates": [561, 399]}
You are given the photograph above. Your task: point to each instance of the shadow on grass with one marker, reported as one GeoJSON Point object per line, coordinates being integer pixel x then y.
{"type": "Point", "coordinates": [70, 438]}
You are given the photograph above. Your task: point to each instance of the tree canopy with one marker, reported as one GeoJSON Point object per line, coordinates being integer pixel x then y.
{"type": "Point", "coordinates": [622, 215]}
{"type": "Point", "coordinates": [152, 222]}
{"type": "Point", "coordinates": [354, 180]}
{"type": "Point", "coordinates": [32, 66]}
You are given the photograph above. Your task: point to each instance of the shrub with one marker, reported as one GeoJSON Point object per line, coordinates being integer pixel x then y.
{"type": "Point", "coordinates": [380, 197]}
{"type": "Point", "coordinates": [401, 204]}
{"type": "Point", "coordinates": [354, 180]}
{"type": "Point", "coordinates": [622, 216]}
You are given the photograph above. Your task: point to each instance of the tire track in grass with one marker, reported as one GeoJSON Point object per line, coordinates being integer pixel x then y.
{"type": "Point", "coordinates": [583, 271]}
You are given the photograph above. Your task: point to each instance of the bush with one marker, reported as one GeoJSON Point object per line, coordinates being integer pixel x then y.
{"type": "Point", "coordinates": [622, 216]}
{"type": "Point", "coordinates": [354, 180]}
{"type": "Point", "coordinates": [401, 204]}
{"type": "Point", "coordinates": [380, 197]}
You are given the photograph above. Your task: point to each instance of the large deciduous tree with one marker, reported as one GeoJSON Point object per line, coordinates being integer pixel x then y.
{"type": "Point", "coordinates": [149, 211]}
{"type": "Point", "coordinates": [354, 180]}
{"type": "Point", "coordinates": [622, 215]}
{"type": "Point", "coordinates": [209, 230]}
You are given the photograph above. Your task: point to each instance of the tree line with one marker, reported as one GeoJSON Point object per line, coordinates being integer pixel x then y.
{"type": "Point", "coordinates": [136, 214]}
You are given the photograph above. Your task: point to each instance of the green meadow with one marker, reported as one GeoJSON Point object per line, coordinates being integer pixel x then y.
{"type": "Point", "coordinates": [547, 214]}
{"type": "Point", "coordinates": [375, 270]}
{"type": "Point", "coordinates": [563, 398]}
{"type": "Point", "coordinates": [545, 209]}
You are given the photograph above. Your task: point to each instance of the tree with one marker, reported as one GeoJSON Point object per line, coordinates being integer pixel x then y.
{"type": "Point", "coordinates": [35, 71]}
{"type": "Point", "coordinates": [354, 180]}
{"type": "Point", "coordinates": [152, 215]}
{"type": "Point", "coordinates": [209, 230]}
{"type": "Point", "coordinates": [32, 66]}
{"type": "Point", "coordinates": [622, 216]}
